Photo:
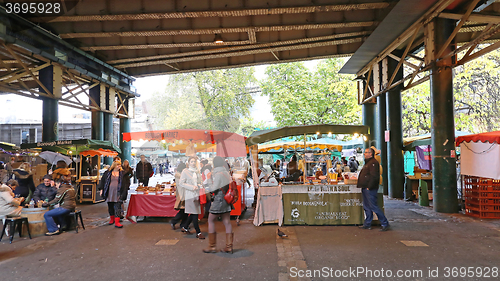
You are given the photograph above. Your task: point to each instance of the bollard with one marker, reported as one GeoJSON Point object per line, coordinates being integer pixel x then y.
{"type": "Point", "coordinates": [423, 193]}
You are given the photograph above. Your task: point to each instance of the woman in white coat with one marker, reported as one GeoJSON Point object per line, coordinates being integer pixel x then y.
{"type": "Point", "coordinates": [191, 182]}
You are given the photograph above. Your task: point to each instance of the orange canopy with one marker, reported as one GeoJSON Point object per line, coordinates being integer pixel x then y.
{"type": "Point", "coordinates": [100, 152]}
{"type": "Point", "coordinates": [228, 144]}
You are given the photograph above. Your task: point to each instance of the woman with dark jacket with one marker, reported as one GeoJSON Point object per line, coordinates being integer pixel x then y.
{"type": "Point", "coordinates": [114, 191]}
{"type": "Point", "coordinates": [179, 200]}
{"type": "Point", "coordinates": [221, 180]}
{"type": "Point", "coordinates": [25, 179]}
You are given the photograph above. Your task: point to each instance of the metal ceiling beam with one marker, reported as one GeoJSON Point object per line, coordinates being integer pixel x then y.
{"type": "Point", "coordinates": [164, 46]}
{"type": "Point", "coordinates": [472, 18]}
{"type": "Point", "coordinates": [203, 14]}
{"type": "Point", "coordinates": [239, 48]}
{"type": "Point", "coordinates": [218, 30]}
{"type": "Point", "coordinates": [243, 53]}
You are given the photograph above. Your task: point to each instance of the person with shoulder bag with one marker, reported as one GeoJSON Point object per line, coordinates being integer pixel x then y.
{"type": "Point", "coordinates": [190, 181]}
{"type": "Point", "coordinates": [220, 187]}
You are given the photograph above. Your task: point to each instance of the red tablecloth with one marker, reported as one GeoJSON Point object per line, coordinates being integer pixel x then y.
{"type": "Point", "coordinates": [151, 205]}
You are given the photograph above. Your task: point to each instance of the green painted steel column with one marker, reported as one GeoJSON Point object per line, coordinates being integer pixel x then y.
{"type": "Point", "coordinates": [50, 107]}
{"type": "Point", "coordinates": [369, 119]}
{"type": "Point", "coordinates": [108, 133]}
{"type": "Point", "coordinates": [126, 147]}
{"type": "Point", "coordinates": [381, 144]}
{"type": "Point", "coordinates": [97, 128]}
{"type": "Point", "coordinates": [443, 125]}
{"type": "Point", "coordinates": [395, 159]}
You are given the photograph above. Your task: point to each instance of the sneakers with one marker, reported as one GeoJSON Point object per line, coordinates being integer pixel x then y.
{"type": "Point", "coordinates": [185, 230]}
{"type": "Point", "coordinates": [172, 226]}
{"type": "Point", "coordinates": [52, 233]}
{"type": "Point", "coordinates": [200, 236]}
{"type": "Point", "coordinates": [365, 227]}
{"type": "Point", "coordinates": [385, 228]}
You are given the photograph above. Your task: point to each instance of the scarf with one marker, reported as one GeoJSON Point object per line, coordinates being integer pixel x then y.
{"type": "Point", "coordinates": [108, 182]}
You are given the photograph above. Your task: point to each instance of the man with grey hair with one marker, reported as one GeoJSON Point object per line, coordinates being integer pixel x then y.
{"type": "Point", "coordinates": [368, 181]}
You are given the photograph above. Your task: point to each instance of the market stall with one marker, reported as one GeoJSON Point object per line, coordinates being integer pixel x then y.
{"type": "Point", "coordinates": [191, 141]}
{"type": "Point", "coordinates": [150, 205]}
{"type": "Point", "coordinates": [89, 175]}
{"type": "Point", "coordinates": [315, 200]}
{"type": "Point", "coordinates": [480, 168]}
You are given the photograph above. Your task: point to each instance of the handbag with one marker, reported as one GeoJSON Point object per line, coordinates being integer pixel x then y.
{"type": "Point", "coordinates": [203, 196]}
{"type": "Point", "coordinates": [231, 196]}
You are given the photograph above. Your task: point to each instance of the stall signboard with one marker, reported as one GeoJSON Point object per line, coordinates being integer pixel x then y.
{"type": "Point", "coordinates": [87, 190]}
{"type": "Point", "coordinates": [424, 157]}
{"type": "Point", "coordinates": [322, 205]}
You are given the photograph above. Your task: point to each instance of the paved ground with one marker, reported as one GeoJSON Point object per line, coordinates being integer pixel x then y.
{"type": "Point", "coordinates": [102, 252]}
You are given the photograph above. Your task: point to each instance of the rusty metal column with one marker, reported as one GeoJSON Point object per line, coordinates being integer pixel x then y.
{"type": "Point", "coordinates": [395, 160]}
{"type": "Point", "coordinates": [97, 127]}
{"type": "Point", "coordinates": [382, 126]}
{"type": "Point", "coordinates": [444, 183]}
{"type": "Point", "coordinates": [50, 107]}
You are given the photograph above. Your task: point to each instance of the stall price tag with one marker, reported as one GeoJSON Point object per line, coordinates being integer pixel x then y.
{"type": "Point", "coordinates": [387, 136]}
{"type": "Point", "coordinates": [452, 153]}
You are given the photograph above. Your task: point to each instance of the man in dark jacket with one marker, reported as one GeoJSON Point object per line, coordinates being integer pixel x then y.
{"type": "Point", "coordinates": [368, 181]}
{"type": "Point", "coordinates": [144, 171]}
{"type": "Point", "coordinates": [45, 191]}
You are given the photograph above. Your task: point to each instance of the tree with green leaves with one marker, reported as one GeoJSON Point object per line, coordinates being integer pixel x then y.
{"type": "Point", "coordinates": [299, 96]}
{"type": "Point", "coordinates": [214, 100]}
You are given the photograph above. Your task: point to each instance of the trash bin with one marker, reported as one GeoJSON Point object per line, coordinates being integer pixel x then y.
{"type": "Point", "coordinates": [423, 193]}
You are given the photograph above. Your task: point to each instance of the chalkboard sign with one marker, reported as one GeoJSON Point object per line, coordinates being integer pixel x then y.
{"type": "Point", "coordinates": [87, 190]}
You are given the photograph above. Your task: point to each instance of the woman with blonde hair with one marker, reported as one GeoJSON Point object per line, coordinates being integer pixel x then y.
{"type": "Point", "coordinates": [114, 191]}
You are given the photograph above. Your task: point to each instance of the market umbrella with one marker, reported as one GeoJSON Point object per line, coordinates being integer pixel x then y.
{"type": "Point", "coordinates": [54, 157]}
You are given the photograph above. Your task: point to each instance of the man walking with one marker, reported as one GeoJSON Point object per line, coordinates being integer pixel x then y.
{"type": "Point", "coordinates": [368, 181]}
{"type": "Point", "coordinates": [144, 171]}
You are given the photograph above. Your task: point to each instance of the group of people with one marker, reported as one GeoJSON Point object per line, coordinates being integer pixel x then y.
{"type": "Point", "coordinates": [55, 191]}
{"type": "Point", "coordinates": [214, 182]}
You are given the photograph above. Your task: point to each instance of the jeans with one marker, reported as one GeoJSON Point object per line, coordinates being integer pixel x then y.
{"type": "Point", "coordinates": [59, 213]}
{"type": "Point", "coordinates": [370, 206]}
{"type": "Point", "coordinates": [193, 218]}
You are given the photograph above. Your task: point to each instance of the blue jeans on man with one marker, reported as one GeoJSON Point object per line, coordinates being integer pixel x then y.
{"type": "Point", "coordinates": [58, 213]}
{"type": "Point", "coordinates": [370, 206]}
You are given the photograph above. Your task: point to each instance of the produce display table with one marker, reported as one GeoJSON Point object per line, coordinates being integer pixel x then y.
{"type": "Point", "coordinates": [151, 206]}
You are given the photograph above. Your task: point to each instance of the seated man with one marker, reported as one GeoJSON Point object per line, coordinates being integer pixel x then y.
{"type": "Point", "coordinates": [9, 206]}
{"type": "Point", "coordinates": [44, 191]}
{"type": "Point", "coordinates": [65, 198]}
